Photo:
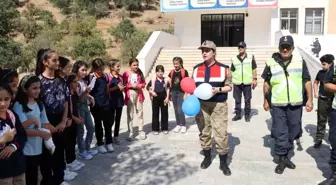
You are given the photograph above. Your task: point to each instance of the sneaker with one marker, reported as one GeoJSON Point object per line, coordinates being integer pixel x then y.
{"type": "Point", "coordinates": [93, 152]}
{"type": "Point", "coordinates": [69, 176]}
{"type": "Point", "coordinates": [85, 156]}
{"type": "Point", "coordinates": [177, 128]}
{"type": "Point", "coordinates": [156, 133]}
{"type": "Point", "coordinates": [116, 141]}
{"type": "Point", "coordinates": [142, 135]}
{"type": "Point", "coordinates": [64, 183]}
{"type": "Point", "coordinates": [165, 132]}
{"type": "Point", "coordinates": [130, 137]}
{"type": "Point", "coordinates": [73, 166]}
{"type": "Point", "coordinates": [80, 164]}
{"type": "Point", "coordinates": [183, 129]}
{"type": "Point", "coordinates": [102, 149]}
{"type": "Point", "coordinates": [110, 148]}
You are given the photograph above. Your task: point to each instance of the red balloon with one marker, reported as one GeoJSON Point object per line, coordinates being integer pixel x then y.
{"type": "Point", "coordinates": [188, 85]}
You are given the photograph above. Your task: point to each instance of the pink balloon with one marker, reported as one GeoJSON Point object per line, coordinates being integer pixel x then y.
{"type": "Point", "coordinates": [188, 85]}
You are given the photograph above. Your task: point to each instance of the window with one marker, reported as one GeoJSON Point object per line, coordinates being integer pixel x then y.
{"type": "Point", "coordinates": [289, 19]}
{"type": "Point", "coordinates": [314, 20]}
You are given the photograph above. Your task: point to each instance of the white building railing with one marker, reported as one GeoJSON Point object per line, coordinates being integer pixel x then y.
{"type": "Point", "coordinates": [153, 46]}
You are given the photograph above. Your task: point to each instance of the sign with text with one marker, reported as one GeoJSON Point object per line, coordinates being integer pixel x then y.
{"type": "Point", "coordinates": [262, 3]}
{"type": "Point", "coordinates": [232, 4]}
{"type": "Point", "coordinates": [174, 5]}
{"type": "Point", "coordinates": [203, 4]}
{"type": "Point", "coordinates": [185, 5]}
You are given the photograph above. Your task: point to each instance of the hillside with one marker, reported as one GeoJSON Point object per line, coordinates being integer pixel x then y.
{"type": "Point", "coordinates": [147, 20]}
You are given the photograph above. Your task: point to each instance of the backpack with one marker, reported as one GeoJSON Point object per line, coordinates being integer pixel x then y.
{"type": "Point", "coordinates": [183, 72]}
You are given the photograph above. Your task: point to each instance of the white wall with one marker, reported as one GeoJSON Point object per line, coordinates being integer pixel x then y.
{"type": "Point", "coordinates": [153, 46]}
{"type": "Point", "coordinates": [260, 26]}
{"type": "Point", "coordinates": [257, 26]}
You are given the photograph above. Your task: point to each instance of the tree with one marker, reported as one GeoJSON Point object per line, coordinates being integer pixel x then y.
{"type": "Point", "coordinates": [124, 30]}
{"type": "Point", "coordinates": [133, 44]}
{"type": "Point", "coordinates": [87, 48]}
{"type": "Point", "coordinates": [8, 13]}
{"type": "Point", "coordinates": [83, 25]}
{"type": "Point", "coordinates": [132, 5]}
{"type": "Point", "coordinates": [10, 53]}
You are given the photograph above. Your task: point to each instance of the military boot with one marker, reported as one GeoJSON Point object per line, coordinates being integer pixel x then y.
{"type": "Point", "coordinates": [223, 165]}
{"type": "Point", "coordinates": [207, 159]}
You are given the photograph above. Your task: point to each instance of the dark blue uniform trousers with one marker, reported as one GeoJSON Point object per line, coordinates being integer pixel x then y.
{"type": "Point", "coordinates": [332, 140]}
{"type": "Point", "coordinates": [286, 127]}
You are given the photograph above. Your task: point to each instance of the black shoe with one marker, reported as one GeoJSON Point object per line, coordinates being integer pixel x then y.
{"type": "Point", "coordinates": [290, 164]}
{"type": "Point", "coordinates": [318, 144]}
{"type": "Point", "coordinates": [247, 118]}
{"type": "Point", "coordinates": [279, 169]}
{"type": "Point", "coordinates": [223, 165]}
{"type": "Point", "coordinates": [237, 117]}
{"type": "Point", "coordinates": [207, 159]}
{"type": "Point", "coordinates": [330, 181]}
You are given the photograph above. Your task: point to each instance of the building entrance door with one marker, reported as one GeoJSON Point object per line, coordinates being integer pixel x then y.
{"type": "Point", "coordinates": [223, 29]}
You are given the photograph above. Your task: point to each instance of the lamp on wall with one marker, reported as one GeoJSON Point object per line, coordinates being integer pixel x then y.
{"type": "Point", "coordinates": [246, 13]}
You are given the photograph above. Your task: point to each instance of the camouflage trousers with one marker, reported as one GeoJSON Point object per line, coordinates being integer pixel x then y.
{"type": "Point", "coordinates": [213, 118]}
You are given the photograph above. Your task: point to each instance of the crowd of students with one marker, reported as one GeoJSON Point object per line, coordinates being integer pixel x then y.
{"type": "Point", "coordinates": [42, 117]}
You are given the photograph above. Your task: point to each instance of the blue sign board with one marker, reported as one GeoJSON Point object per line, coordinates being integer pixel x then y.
{"type": "Point", "coordinates": [185, 5]}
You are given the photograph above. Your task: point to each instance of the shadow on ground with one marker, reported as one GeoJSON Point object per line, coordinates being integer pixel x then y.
{"type": "Point", "coordinates": [143, 165]}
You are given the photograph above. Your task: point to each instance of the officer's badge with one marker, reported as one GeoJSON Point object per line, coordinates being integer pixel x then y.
{"type": "Point", "coordinates": [285, 39]}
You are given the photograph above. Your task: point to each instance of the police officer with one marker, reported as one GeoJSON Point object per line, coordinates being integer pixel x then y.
{"type": "Point", "coordinates": [286, 80]}
{"type": "Point", "coordinates": [244, 78]}
{"type": "Point", "coordinates": [329, 84]}
{"type": "Point", "coordinates": [214, 112]}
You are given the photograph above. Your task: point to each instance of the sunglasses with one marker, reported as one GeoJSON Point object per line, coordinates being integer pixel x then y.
{"type": "Point", "coordinates": [241, 47]}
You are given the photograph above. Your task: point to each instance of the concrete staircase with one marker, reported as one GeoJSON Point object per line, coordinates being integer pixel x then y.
{"type": "Point", "coordinates": [193, 56]}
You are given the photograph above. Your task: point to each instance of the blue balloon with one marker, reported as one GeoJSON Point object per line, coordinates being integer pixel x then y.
{"type": "Point", "coordinates": [191, 106]}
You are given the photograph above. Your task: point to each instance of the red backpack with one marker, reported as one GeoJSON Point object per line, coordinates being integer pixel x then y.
{"type": "Point", "coordinates": [183, 72]}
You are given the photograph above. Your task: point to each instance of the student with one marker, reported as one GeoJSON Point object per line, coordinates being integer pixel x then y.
{"type": "Point", "coordinates": [101, 110]}
{"type": "Point", "coordinates": [134, 82]}
{"type": "Point", "coordinates": [116, 88]}
{"type": "Point", "coordinates": [55, 97]}
{"type": "Point", "coordinates": [70, 129]}
{"type": "Point", "coordinates": [159, 90]}
{"type": "Point", "coordinates": [32, 115]}
{"type": "Point", "coordinates": [85, 99]}
{"type": "Point", "coordinates": [176, 75]}
{"type": "Point", "coordinates": [325, 99]}
{"type": "Point", "coordinates": [12, 161]}
{"type": "Point", "coordinates": [73, 164]}
{"type": "Point", "coordinates": [11, 77]}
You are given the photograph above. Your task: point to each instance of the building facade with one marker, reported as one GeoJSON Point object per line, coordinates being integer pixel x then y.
{"type": "Point", "coordinates": [228, 22]}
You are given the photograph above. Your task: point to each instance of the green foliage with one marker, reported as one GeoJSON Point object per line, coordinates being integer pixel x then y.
{"type": "Point", "coordinates": [132, 5]}
{"type": "Point", "coordinates": [10, 53]}
{"type": "Point", "coordinates": [48, 38]}
{"type": "Point", "coordinates": [27, 57]}
{"type": "Point", "coordinates": [124, 30]}
{"type": "Point", "coordinates": [89, 47]}
{"type": "Point", "coordinates": [34, 20]}
{"type": "Point", "coordinates": [82, 25]}
{"type": "Point", "coordinates": [8, 14]}
{"type": "Point", "coordinates": [133, 44]}
{"type": "Point", "coordinates": [63, 5]}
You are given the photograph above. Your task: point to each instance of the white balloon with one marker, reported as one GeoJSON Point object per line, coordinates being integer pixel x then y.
{"type": "Point", "coordinates": [203, 91]}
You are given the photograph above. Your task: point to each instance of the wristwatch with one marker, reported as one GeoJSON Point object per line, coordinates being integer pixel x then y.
{"type": "Point", "coordinates": [220, 89]}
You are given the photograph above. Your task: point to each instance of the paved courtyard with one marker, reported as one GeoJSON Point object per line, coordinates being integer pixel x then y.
{"type": "Point", "coordinates": [175, 158]}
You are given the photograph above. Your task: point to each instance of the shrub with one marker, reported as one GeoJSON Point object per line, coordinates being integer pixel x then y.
{"type": "Point", "coordinates": [87, 48]}
{"type": "Point", "coordinates": [124, 30]}
{"type": "Point", "coordinates": [133, 44]}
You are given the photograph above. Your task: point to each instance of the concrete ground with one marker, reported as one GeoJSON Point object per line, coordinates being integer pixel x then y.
{"type": "Point", "coordinates": [175, 158]}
